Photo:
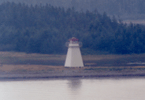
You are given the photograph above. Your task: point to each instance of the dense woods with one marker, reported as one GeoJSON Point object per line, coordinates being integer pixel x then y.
{"type": "Point", "coordinates": [45, 29]}
{"type": "Point", "coordinates": [125, 9]}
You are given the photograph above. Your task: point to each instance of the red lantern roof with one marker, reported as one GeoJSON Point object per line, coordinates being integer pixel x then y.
{"type": "Point", "coordinates": [73, 39]}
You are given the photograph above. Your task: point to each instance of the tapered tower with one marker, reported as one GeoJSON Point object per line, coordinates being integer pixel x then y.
{"type": "Point", "coordinates": [74, 57]}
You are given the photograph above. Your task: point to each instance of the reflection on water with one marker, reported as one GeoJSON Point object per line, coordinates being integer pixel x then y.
{"type": "Point", "coordinates": [74, 83]}
{"type": "Point", "coordinates": [74, 89]}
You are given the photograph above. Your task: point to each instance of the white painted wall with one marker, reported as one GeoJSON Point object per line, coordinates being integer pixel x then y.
{"type": "Point", "coordinates": [74, 58]}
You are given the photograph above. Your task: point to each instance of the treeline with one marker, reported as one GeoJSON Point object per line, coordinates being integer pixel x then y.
{"type": "Point", "coordinates": [111, 6]}
{"type": "Point", "coordinates": [45, 29]}
{"type": "Point", "coordinates": [132, 9]}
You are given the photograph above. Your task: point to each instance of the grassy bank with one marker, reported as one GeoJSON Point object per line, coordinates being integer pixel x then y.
{"type": "Point", "coordinates": [20, 65]}
{"type": "Point", "coordinates": [58, 60]}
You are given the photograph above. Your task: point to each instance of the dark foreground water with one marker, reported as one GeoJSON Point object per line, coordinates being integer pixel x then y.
{"type": "Point", "coordinates": [74, 89]}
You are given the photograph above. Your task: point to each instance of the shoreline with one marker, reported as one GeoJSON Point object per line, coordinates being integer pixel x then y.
{"type": "Point", "coordinates": [15, 65]}
{"type": "Point", "coordinates": [102, 75]}
{"type": "Point", "coordinates": [31, 72]}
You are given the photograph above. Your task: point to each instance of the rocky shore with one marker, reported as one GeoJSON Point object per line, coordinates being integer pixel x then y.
{"type": "Point", "coordinates": [44, 71]}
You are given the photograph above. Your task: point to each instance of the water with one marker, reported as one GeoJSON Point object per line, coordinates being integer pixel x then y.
{"type": "Point", "coordinates": [74, 89]}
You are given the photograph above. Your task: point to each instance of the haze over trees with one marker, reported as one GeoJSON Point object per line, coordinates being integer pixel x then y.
{"type": "Point", "coordinates": [45, 29]}
{"type": "Point", "coordinates": [126, 9]}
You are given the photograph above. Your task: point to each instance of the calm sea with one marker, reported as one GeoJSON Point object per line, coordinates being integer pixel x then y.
{"type": "Point", "coordinates": [74, 89]}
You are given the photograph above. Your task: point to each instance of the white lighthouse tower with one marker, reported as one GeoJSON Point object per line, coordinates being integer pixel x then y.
{"type": "Point", "coordinates": [73, 58]}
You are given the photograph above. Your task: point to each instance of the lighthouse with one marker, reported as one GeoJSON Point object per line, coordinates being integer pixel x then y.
{"type": "Point", "coordinates": [74, 57]}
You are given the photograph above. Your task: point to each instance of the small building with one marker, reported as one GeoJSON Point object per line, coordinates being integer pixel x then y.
{"type": "Point", "coordinates": [74, 57]}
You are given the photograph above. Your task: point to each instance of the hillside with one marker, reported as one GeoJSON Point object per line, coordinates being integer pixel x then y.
{"type": "Point", "coordinates": [45, 29]}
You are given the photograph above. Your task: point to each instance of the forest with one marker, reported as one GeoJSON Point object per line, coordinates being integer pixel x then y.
{"type": "Point", "coordinates": [124, 9]}
{"type": "Point", "coordinates": [46, 29]}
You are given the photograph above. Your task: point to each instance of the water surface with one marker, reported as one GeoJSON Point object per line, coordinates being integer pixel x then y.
{"type": "Point", "coordinates": [74, 89]}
